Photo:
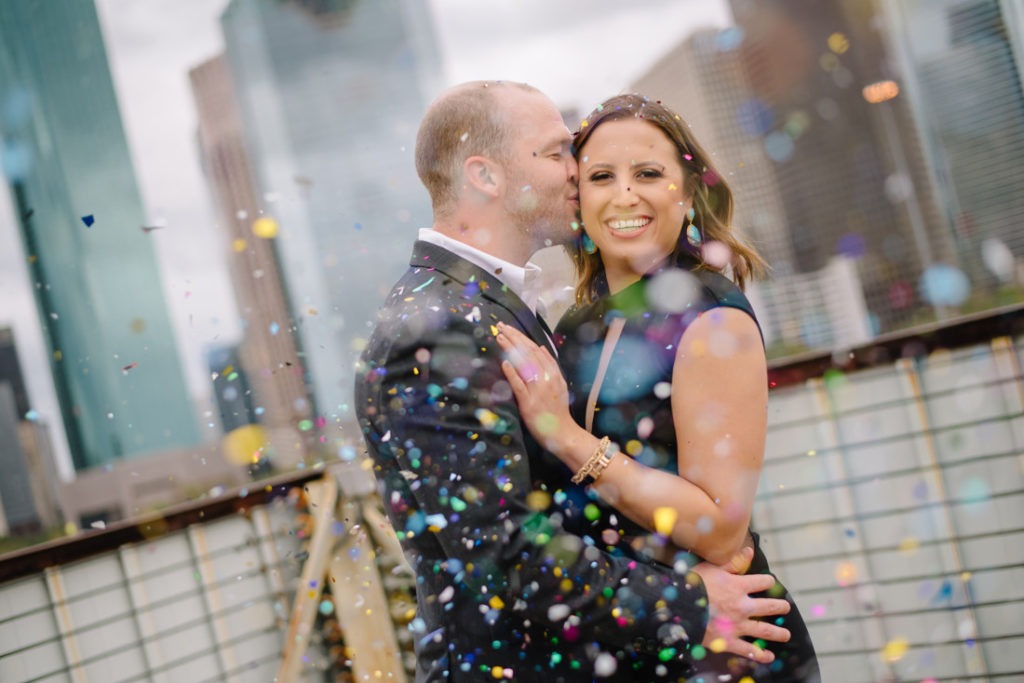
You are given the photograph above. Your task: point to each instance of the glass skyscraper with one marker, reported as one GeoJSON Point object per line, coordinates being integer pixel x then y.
{"type": "Point", "coordinates": [115, 365]}
{"type": "Point", "coordinates": [331, 96]}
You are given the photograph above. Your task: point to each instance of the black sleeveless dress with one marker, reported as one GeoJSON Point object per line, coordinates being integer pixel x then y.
{"type": "Point", "coordinates": [634, 410]}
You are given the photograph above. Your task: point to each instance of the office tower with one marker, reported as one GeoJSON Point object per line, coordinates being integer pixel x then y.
{"type": "Point", "coordinates": [232, 394]}
{"type": "Point", "coordinates": [28, 487]}
{"type": "Point", "coordinates": [959, 65]}
{"type": "Point", "coordinates": [850, 174]}
{"type": "Point", "coordinates": [10, 371]}
{"type": "Point", "coordinates": [269, 351]}
{"type": "Point", "coordinates": [331, 95]}
{"type": "Point", "coordinates": [16, 500]}
{"type": "Point", "coordinates": [705, 80]}
{"type": "Point", "coordinates": [115, 366]}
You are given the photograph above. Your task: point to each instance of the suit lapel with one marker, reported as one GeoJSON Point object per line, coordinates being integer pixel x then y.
{"type": "Point", "coordinates": [427, 255]}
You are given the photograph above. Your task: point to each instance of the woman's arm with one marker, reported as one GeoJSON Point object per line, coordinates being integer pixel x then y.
{"type": "Point", "coordinates": [719, 405]}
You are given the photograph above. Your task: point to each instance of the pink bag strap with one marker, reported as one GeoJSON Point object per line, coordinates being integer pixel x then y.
{"type": "Point", "coordinates": [610, 340]}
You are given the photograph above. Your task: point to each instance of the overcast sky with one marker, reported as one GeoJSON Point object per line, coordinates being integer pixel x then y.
{"type": "Point", "coordinates": [577, 51]}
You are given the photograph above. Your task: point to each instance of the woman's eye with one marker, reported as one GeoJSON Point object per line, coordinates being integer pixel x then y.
{"type": "Point", "coordinates": [649, 173]}
{"type": "Point", "coordinates": [599, 176]}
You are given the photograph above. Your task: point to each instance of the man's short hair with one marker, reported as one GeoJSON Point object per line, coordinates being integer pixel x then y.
{"type": "Point", "coordinates": [467, 120]}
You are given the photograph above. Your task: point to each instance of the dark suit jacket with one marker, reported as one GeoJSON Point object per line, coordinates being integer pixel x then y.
{"type": "Point", "coordinates": [505, 577]}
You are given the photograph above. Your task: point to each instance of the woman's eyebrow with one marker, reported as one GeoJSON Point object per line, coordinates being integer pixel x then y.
{"type": "Point", "coordinates": [647, 163]}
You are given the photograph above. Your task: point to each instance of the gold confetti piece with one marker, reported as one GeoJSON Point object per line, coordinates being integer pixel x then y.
{"type": "Point", "coordinates": [717, 645]}
{"type": "Point", "coordinates": [238, 245]}
{"type": "Point", "coordinates": [487, 418]}
{"type": "Point", "coordinates": [538, 500]}
{"type": "Point", "coordinates": [665, 520]}
{"type": "Point", "coordinates": [838, 43]}
{"type": "Point", "coordinates": [265, 228]}
{"type": "Point", "coordinates": [547, 424]}
{"type": "Point", "coordinates": [846, 573]}
{"type": "Point", "coordinates": [895, 649]}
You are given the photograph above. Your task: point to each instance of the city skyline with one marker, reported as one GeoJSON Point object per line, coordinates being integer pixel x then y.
{"type": "Point", "coordinates": [181, 220]}
{"type": "Point", "coordinates": [151, 49]}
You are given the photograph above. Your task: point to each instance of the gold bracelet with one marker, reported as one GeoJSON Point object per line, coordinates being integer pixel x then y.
{"type": "Point", "coordinates": [596, 463]}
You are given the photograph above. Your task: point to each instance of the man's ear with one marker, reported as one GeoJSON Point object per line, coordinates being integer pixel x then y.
{"type": "Point", "coordinates": [483, 175]}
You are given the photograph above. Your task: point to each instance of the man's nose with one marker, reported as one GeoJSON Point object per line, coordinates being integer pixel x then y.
{"type": "Point", "coordinates": [574, 170]}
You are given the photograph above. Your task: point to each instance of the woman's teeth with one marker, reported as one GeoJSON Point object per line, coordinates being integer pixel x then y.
{"type": "Point", "coordinates": [631, 225]}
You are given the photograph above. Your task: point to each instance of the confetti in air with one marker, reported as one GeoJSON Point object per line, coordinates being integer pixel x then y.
{"type": "Point", "coordinates": [665, 520]}
{"type": "Point", "coordinates": [944, 285]}
{"type": "Point", "coordinates": [265, 228]}
{"type": "Point", "coordinates": [895, 649]}
{"type": "Point", "coordinates": [88, 220]}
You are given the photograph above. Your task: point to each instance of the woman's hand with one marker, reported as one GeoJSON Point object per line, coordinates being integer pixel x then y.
{"type": "Point", "coordinates": [540, 390]}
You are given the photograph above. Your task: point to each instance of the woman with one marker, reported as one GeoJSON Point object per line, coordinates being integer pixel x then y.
{"type": "Point", "coordinates": [664, 360]}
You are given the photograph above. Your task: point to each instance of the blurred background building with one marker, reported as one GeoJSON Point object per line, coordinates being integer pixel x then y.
{"type": "Point", "coordinates": [269, 352]}
{"type": "Point", "coordinates": [851, 134]}
{"type": "Point", "coordinates": [331, 95]}
{"type": "Point", "coordinates": [28, 487]}
{"type": "Point", "coordinates": [959, 65]}
{"type": "Point", "coordinates": [115, 366]}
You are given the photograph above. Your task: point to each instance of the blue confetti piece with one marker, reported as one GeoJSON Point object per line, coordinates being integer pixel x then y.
{"type": "Point", "coordinates": [851, 245]}
{"type": "Point", "coordinates": [88, 220]}
{"type": "Point", "coordinates": [423, 285]}
{"type": "Point", "coordinates": [944, 594]}
{"type": "Point", "coordinates": [755, 118]}
{"type": "Point", "coordinates": [943, 285]}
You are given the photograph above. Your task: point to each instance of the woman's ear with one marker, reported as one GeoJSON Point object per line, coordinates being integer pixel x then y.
{"type": "Point", "coordinates": [483, 175]}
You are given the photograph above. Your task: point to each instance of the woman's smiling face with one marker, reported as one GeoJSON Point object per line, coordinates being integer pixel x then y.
{"type": "Point", "coordinates": [633, 197]}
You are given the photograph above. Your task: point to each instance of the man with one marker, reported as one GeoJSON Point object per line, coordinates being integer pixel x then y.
{"type": "Point", "coordinates": [508, 587]}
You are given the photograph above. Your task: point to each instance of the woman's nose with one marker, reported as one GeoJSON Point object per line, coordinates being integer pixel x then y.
{"type": "Point", "coordinates": [624, 195]}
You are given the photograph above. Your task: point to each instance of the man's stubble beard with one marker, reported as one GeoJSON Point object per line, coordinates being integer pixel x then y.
{"type": "Point", "coordinates": [543, 221]}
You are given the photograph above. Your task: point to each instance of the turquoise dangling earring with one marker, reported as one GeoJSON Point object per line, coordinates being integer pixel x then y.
{"type": "Point", "coordinates": [588, 244]}
{"type": "Point", "coordinates": [693, 234]}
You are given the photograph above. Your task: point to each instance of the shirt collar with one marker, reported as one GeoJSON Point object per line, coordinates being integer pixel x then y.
{"type": "Point", "coordinates": [525, 282]}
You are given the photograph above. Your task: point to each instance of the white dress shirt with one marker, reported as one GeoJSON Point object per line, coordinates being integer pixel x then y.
{"type": "Point", "coordinates": [523, 281]}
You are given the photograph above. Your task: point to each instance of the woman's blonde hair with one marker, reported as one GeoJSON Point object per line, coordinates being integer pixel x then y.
{"type": "Point", "coordinates": [712, 198]}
